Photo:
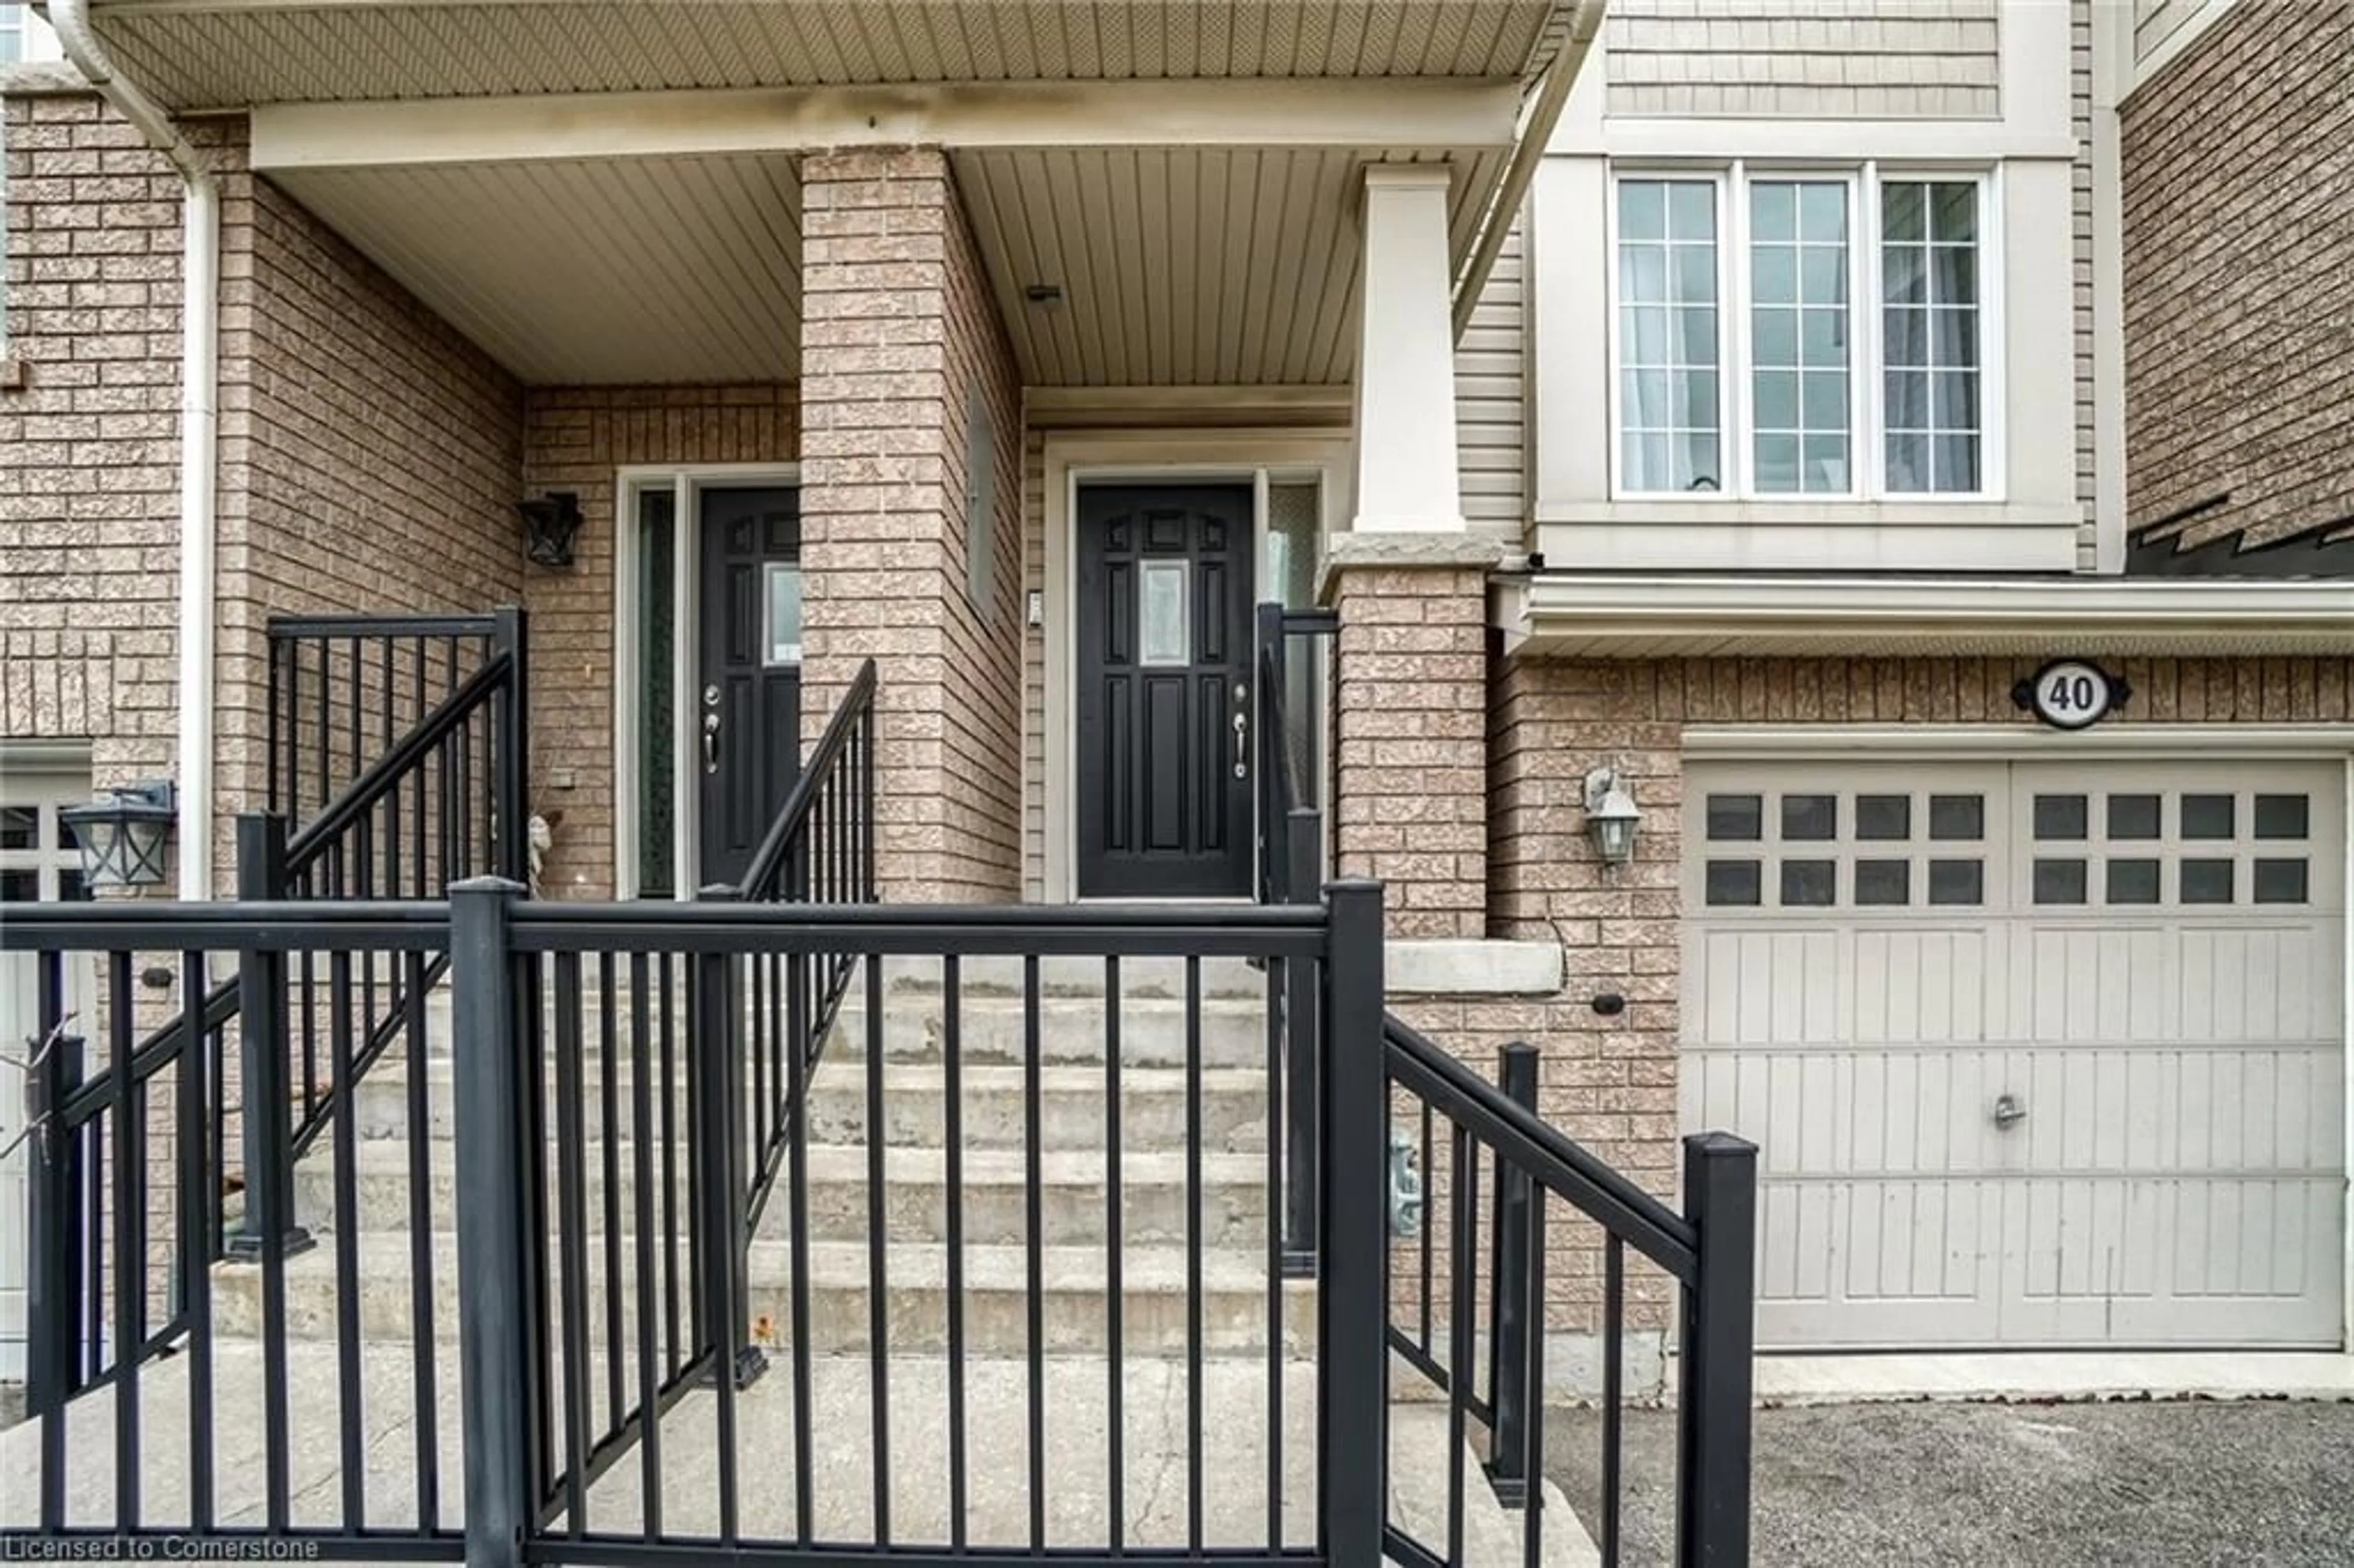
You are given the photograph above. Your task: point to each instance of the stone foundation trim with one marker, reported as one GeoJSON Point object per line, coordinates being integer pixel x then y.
{"type": "Point", "coordinates": [1443, 967]}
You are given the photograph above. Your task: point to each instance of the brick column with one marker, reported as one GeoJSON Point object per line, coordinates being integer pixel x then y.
{"type": "Point", "coordinates": [1410, 741]}
{"type": "Point", "coordinates": [900, 342]}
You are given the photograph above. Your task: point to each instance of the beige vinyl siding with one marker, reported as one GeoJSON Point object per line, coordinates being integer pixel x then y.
{"type": "Point", "coordinates": [2080, 120]}
{"type": "Point", "coordinates": [1492, 403]}
{"type": "Point", "coordinates": [2155, 21]}
{"type": "Point", "coordinates": [1034, 669]}
{"type": "Point", "coordinates": [1823, 58]}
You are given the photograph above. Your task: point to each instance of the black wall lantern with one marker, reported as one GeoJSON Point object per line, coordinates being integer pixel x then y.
{"type": "Point", "coordinates": [123, 834]}
{"type": "Point", "coordinates": [549, 525]}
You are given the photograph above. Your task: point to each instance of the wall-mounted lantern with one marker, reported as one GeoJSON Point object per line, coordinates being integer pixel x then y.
{"type": "Point", "coordinates": [1611, 817]}
{"type": "Point", "coordinates": [124, 833]}
{"type": "Point", "coordinates": [550, 524]}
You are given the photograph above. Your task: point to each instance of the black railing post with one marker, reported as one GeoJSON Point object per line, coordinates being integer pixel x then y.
{"type": "Point", "coordinates": [1352, 1303]}
{"type": "Point", "coordinates": [718, 1115]}
{"type": "Point", "coordinates": [1509, 1307]}
{"type": "Point", "coordinates": [265, 1097]}
{"type": "Point", "coordinates": [1302, 1096]}
{"type": "Point", "coordinates": [53, 1269]}
{"type": "Point", "coordinates": [512, 807]}
{"type": "Point", "coordinates": [494, 1238]}
{"type": "Point", "coordinates": [1718, 1350]}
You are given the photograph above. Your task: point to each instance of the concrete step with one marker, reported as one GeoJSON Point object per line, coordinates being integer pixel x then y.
{"type": "Point", "coordinates": [1073, 1188]}
{"type": "Point", "coordinates": [1070, 1030]}
{"type": "Point", "coordinates": [1234, 1304]}
{"type": "Point", "coordinates": [915, 1111]}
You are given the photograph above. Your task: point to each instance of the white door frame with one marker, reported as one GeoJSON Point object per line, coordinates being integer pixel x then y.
{"type": "Point", "coordinates": [1257, 458]}
{"type": "Point", "coordinates": [686, 481]}
{"type": "Point", "coordinates": [2116, 740]}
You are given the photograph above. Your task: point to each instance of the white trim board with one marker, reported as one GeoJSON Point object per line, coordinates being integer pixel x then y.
{"type": "Point", "coordinates": [1235, 456]}
{"type": "Point", "coordinates": [687, 482]}
{"type": "Point", "coordinates": [1383, 113]}
{"type": "Point", "coordinates": [2027, 740]}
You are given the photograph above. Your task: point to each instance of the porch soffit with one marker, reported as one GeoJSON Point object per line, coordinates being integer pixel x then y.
{"type": "Point", "coordinates": [230, 54]}
{"type": "Point", "coordinates": [1178, 266]}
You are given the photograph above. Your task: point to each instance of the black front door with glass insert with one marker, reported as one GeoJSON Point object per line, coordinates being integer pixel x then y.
{"type": "Point", "coordinates": [1164, 690]}
{"type": "Point", "coordinates": [748, 695]}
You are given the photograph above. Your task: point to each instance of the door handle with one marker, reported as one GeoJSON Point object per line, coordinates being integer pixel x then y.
{"type": "Point", "coordinates": [1242, 747]}
{"type": "Point", "coordinates": [2009, 1111]}
{"type": "Point", "coordinates": [711, 743]}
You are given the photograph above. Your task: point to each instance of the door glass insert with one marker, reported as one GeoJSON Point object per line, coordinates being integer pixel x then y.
{"type": "Point", "coordinates": [2207, 880]}
{"type": "Point", "coordinates": [2133, 881]}
{"type": "Point", "coordinates": [1956, 881]}
{"type": "Point", "coordinates": [2061, 817]}
{"type": "Point", "coordinates": [1810, 818]}
{"type": "Point", "coordinates": [1733, 882]}
{"type": "Point", "coordinates": [2281, 817]}
{"type": "Point", "coordinates": [1883, 818]}
{"type": "Point", "coordinates": [1295, 533]}
{"type": "Point", "coordinates": [1957, 818]}
{"type": "Point", "coordinates": [657, 576]}
{"type": "Point", "coordinates": [2281, 882]}
{"type": "Point", "coordinates": [20, 827]}
{"type": "Point", "coordinates": [2207, 816]}
{"type": "Point", "coordinates": [1883, 882]}
{"type": "Point", "coordinates": [2060, 882]}
{"type": "Point", "coordinates": [1163, 621]}
{"type": "Point", "coordinates": [2133, 817]}
{"type": "Point", "coordinates": [1809, 882]}
{"type": "Point", "coordinates": [1737, 818]}
{"type": "Point", "coordinates": [781, 591]}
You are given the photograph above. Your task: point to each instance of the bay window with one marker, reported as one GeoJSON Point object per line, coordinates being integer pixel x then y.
{"type": "Point", "coordinates": [1800, 333]}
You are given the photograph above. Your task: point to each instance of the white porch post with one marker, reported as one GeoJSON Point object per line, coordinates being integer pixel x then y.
{"type": "Point", "coordinates": [1406, 458]}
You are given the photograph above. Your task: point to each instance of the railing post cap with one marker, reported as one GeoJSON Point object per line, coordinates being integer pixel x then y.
{"type": "Point", "coordinates": [718, 893]}
{"type": "Point", "coordinates": [500, 886]}
{"type": "Point", "coordinates": [1719, 1146]}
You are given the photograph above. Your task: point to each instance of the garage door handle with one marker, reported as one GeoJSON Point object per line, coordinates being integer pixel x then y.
{"type": "Point", "coordinates": [2007, 1110]}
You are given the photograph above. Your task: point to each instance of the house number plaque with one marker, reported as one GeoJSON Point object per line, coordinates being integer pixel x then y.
{"type": "Point", "coordinates": [2072, 693]}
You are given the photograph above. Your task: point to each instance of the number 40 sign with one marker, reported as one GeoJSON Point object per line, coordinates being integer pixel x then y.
{"type": "Point", "coordinates": [2072, 693]}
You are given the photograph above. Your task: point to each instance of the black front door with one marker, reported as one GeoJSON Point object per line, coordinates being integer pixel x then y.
{"type": "Point", "coordinates": [1164, 685]}
{"type": "Point", "coordinates": [749, 691]}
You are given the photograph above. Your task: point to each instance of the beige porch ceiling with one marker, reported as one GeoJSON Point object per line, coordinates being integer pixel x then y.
{"type": "Point", "coordinates": [1184, 266]}
{"type": "Point", "coordinates": [593, 270]}
{"type": "Point", "coordinates": [226, 53]}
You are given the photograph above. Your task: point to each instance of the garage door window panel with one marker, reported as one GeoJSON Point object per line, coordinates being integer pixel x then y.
{"type": "Point", "coordinates": [1737, 818]}
{"type": "Point", "coordinates": [2281, 881]}
{"type": "Point", "coordinates": [2209, 817]}
{"type": "Point", "coordinates": [2281, 817]}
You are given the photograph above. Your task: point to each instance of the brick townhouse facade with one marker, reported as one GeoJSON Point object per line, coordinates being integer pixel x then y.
{"type": "Point", "coordinates": [1854, 845]}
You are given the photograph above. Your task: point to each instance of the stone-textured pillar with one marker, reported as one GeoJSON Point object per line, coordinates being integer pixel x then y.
{"type": "Point", "coordinates": [901, 345]}
{"type": "Point", "coordinates": [1410, 724]}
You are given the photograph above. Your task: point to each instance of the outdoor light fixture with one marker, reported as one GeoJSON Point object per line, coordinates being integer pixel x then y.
{"type": "Point", "coordinates": [124, 834]}
{"type": "Point", "coordinates": [1045, 296]}
{"type": "Point", "coordinates": [1610, 817]}
{"type": "Point", "coordinates": [550, 524]}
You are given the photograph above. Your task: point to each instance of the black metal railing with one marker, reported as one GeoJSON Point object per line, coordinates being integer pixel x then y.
{"type": "Point", "coordinates": [1478, 1138]}
{"type": "Point", "coordinates": [348, 692]}
{"type": "Point", "coordinates": [126, 1226]}
{"type": "Point", "coordinates": [818, 850]}
{"type": "Point", "coordinates": [1290, 871]}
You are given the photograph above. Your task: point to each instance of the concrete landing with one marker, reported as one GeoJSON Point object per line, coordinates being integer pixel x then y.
{"type": "Point", "coordinates": [1156, 1503]}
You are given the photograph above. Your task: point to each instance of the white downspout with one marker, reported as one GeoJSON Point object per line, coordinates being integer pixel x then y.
{"type": "Point", "coordinates": [199, 430]}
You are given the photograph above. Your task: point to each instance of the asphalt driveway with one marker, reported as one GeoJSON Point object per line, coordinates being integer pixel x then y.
{"type": "Point", "coordinates": [2041, 1486]}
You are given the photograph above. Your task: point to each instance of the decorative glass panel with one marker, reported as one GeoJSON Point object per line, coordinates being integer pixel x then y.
{"type": "Point", "coordinates": [2133, 881]}
{"type": "Point", "coordinates": [656, 659]}
{"type": "Point", "coordinates": [1883, 882]}
{"type": "Point", "coordinates": [1956, 881]}
{"type": "Point", "coordinates": [1737, 818]}
{"type": "Point", "coordinates": [1670, 421]}
{"type": "Point", "coordinates": [1883, 818]}
{"type": "Point", "coordinates": [2281, 817]}
{"type": "Point", "coordinates": [1732, 882]}
{"type": "Point", "coordinates": [1295, 532]}
{"type": "Point", "coordinates": [2133, 817]}
{"type": "Point", "coordinates": [2060, 882]}
{"type": "Point", "coordinates": [1809, 884]}
{"type": "Point", "coordinates": [1809, 818]}
{"type": "Point", "coordinates": [1799, 335]}
{"type": "Point", "coordinates": [2061, 817]}
{"type": "Point", "coordinates": [2207, 880]}
{"type": "Point", "coordinates": [2280, 881]}
{"type": "Point", "coordinates": [1929, 327]}
{"type": "Point", "coordinates": [2209, 817]}
{"type": "Point", "coordinates": [782, 582]}
{"type": "Point", "coordinates": [1957, 818]}
{"type": "Point", "coordinates": [1165, 613]}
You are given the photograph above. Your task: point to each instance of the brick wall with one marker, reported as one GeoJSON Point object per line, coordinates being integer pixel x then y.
{"type": "Point", "coordinates": [90, 453]}
{"type": "Point", "coordinates": [370, 455]}
{"type": "Point", "coordinates": [1409, 720]}
{"type": "Point", "coordinates": [575, 438]}
{"type": "Point", "coordinates": [897, 330]}
{"type": "Point", "coordinates": [2239, 303]}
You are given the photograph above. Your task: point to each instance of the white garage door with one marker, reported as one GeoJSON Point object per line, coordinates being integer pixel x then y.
{"type": "Point", "coordinates": [37, 862]}
{"type": "Point", "coordinates": [2037, 1053]}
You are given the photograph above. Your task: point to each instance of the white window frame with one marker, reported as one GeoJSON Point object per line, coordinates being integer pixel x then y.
{"type": "Point", "coordinates": [1868, 456]}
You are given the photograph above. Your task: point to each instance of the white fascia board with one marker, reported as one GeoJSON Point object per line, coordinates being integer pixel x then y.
{"type": "Point", "coordinates": [1799, 140]}
{"type": "Point", "coordinates": [1321, 114]}
{"type": "Point", "coordinates": [1592, 610]}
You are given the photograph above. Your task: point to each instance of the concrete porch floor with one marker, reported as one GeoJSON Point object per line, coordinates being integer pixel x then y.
{"type": "Point", "coordinates": [1155, 1505]}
